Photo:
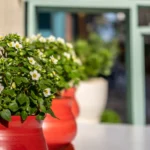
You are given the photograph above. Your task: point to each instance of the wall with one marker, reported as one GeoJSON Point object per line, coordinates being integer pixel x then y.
{"type": "Point", "coordinates": [11, 17]}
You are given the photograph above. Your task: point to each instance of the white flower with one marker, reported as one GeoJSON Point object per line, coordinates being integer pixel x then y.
{"type": "Point", "coordinates": [53, 59]}
{"type": "Point", "coordinates": [31, 60]}
{"type": "Point", "coordinates": [13, 86]}
{"type": "Point", "coordinates": [67, 55]}
{"type": "Point", "coordinates": [73, 53]}
{"type": "Point", "coordinates": [18, 45]}
{"type": "Point", "coordinates": [58, 57]}
{"type": "Point", "coordinates": [77, 60]}
{"type": "Point", "coordinates": [42, 39]}
{"type": "Point", "coordinates": [47, 92]}
{"type": "Point", "coordinates": [33, 38]}
{"type": "Point", "coordinates": [40, 53]}
{"type": "Point", "coordinates": [11, 44]}
{"type": "Point", "coordinates": [38, 35]}
{"type": "Point", "coordinates": [1, 88]}
{"type": "Point", "coordinates": [69, 45]}
{"type": "Point", "coordinates": [51, 38]}
{"type": "Point", "coordinates": [60, 40]}
{"type": "Point", "coordinates": [27, 40]}
{"type": "Point", "coordinates": [35, 75]}
{"type": "Point", "coordinates": [1, 37]}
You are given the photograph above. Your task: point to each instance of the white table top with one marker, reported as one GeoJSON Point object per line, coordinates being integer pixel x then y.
{"type": "Point", "coordinates": [112, 137]}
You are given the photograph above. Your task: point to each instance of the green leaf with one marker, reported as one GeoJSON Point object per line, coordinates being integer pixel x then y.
{"type": "Point", "coordinates": [9, 92]}
{"type": "Point", "coordinates": [13, 106]}
{"type": "Point", "coordinates": [12, 54]}
{"type": "Point", "coordinates": [59, 69]}
{"type": "Point", "coordinates": [42, 108]}
{"type": "Point", "coordinates": [6, 114]}
{"type": "Point", "coordinates": [33, 100]}
{"type": "Point", "coordinates": [8, 75]}
{"type": "Point", "coordinates": [24, 80]}
{"type": "Point", "coordinates": [24, 70]}
{"type": "Point", "coordinates": [18, 80]}
{"type": "Point", "coordinates": [42, 86]}
{"type": "Point", "coordinates": [14, 69]}
{"type": "Point", "coordinates": [33, 111]}
{"type": "Point", "coordinates": [7, 100]}
{"type": "Point", "coordinates": [40, 101]}
{"type": "Point", "coordinates": [22, 98]}
{"type": "Point", "coordinates": [38, 60]}
{"type": "Point", "coordinates": [50, 111]}
{"type": "Point", "coordinates": [33, 95]}
{"type": "Point", "coordinates": [24, 115]}
{"type": "Point", "coordinates": [40, 116]}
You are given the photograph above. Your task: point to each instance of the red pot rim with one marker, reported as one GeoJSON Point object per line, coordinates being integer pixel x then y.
{"type": "Point", "coordinates": [63, 98]}
{"type": "Point", "coordinates": [14, 118]}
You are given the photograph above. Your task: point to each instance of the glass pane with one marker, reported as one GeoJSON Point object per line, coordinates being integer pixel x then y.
{"type": "Point", "coordinates": [44, 23]}
{"type": "Point", "coordinates": [144, 16]}
{"type": "Point", "coordinates": [107, 26]}
{"type": "Point", "coordinates": [147, 76]}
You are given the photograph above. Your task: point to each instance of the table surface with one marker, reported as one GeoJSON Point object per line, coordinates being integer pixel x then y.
{"type": "Point", "coordinates": [112, 137]}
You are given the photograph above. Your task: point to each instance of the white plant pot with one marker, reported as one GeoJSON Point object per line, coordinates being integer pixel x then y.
{"type": "Point", "coordinates": [92, 97]}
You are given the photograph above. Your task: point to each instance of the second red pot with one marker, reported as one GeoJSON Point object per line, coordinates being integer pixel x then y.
{"type": "Point", "coordinates": [71, 93]}
{"type": "Point", "coordinates": [63, 130]}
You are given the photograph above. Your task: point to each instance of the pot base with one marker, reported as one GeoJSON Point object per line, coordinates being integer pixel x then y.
{"type": "Point", "coordinates": [18, 135]}
{"type": "Point", "coordinates": [61, 147]}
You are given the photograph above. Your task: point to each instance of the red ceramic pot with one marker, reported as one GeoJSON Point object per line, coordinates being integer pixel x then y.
{"type": "Point", "coordinates": [60, 131]}
{"type": "Point", "coordinates": [18, 135]}
{"type": "Point", "coordinates": [71, 93]}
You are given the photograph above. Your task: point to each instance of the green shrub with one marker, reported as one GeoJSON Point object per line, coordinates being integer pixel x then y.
{"type": "Point", "coordinates": [97, 56]}
{"type": "Point", "coordinates": [110, 116]}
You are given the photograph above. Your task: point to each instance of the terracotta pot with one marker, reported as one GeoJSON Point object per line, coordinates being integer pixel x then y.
{"type": "Point", "coordinates": [71, 93]}
{"type": "Point", "coordinates": [60, 131]}
{"type": "Point", "coordinates": [18, 135]}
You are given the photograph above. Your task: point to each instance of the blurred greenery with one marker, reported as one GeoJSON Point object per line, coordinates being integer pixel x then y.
{"type": "Point", "coordinates": [110, 116]}
{"type": "Point", "coordinates": [96, 56]}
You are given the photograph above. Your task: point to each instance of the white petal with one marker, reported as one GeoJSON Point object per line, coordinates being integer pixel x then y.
{"type": "Point", "coordinates": [60, 40]}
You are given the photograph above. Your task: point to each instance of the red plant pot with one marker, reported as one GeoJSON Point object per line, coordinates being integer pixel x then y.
{"type": "Point", "coordinates": [71, 93]}
{"type": "Point", "coordinates": [60, 131]}
{"type": "Point", "coordinates": [18, 135]}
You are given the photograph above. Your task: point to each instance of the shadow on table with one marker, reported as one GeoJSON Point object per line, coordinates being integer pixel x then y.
{"type": "Point", "coordinates": [61, 147]}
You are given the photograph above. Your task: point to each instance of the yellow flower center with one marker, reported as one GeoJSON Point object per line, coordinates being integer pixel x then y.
{"type": "Point", "coordinates": [34, 75]}
{"type": "Point", "coordinates": [17, 45]}
{"type": "Point", "coordinates": [46, 91]}
{"type": "Point", "coordinates": [31, 61]}
{"type": "Point", "coordinates": [11, 44]}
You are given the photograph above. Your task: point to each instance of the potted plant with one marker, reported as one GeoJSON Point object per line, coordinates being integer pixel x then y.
{"type": "Point", "coordinates": [26, 92]}
{"type": "Point", "coordinates": [66, 70]}
{"type": "Point", "coordinates": [97, 58]}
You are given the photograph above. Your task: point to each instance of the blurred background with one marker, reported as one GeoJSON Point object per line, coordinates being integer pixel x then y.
{"type": "Point", "coordinates": [108, 26]}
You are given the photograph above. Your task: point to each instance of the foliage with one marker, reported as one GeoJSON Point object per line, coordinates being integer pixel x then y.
{"type": "Point", "coordinates": [64, 64]}
{"type": "Point", "coordinates": [110, 116]}
{"type": "Point", "coordinates": [96, 55]}
{"type": "Point", "coordinates": [27, 85]}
